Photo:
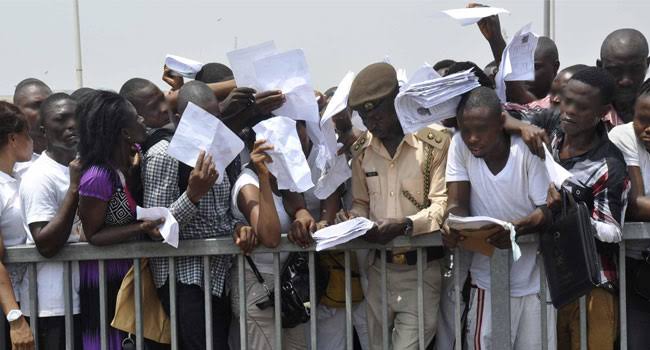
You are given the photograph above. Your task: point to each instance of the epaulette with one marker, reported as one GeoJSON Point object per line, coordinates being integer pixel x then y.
{"type": "Point", "coordinates": [362, 142]}
{"type": "Point", "coordinates": [435, 135]}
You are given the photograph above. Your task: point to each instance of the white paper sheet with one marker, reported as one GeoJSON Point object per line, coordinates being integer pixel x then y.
{"type": "Point", "coordinates": [289, 165]}
{"type": "Point", "coordinates": [183, 66]}
{"type": "Point", "coordinates": [428, 98]}
{"type": "Point", "coordinates": [241, 62]}
{"type": "Point", "coordinates": [199, 131]}
{"type": "Point", "coordinates": [169, 229]}
{"type": "Point", "coordinates": [517, 60]}
{"type": "Point", "coordinates": [467, 16]}
{"type": "Point", "coordinates": [288, 71]}
{"type": "Point", "coordinates": [346, 231]}
{"type": "Point", "coordinates": [556, 173]}
{"type": "Point", "coordinates": [476, 222]}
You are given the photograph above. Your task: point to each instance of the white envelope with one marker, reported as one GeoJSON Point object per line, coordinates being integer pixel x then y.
{"type": "Point", "coordinates": [241, 62]}
{"type": "Point", "coordinates": [183, 66]}
{"type": "Point", "coordinates": [199, 131]}
{"type": "Point", "coordinates": [288, 71]}
{"type": "Point", "coordinates": [467, 16]}
{"type": "Point", "coordinates": [289, 165]}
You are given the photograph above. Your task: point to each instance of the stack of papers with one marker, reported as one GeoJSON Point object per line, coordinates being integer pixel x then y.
{"type": "Point", "coordinates": [517, 60]}
{"type": "Point", "coordinates": [428, 98]}
{"type": "Point", "coordinates": [334, 235]}
{"type": "Point", "coordinates": [201, 131]}
{"type": "Point", "coordinates": [183, 66]}
{"type": "Point", "coordinates": [473, 228]}
{"type": "Point", "coordinates": [289, 165]}
{"type": "Point", "coordinates": [169, 229]}
{"type": "Point", "coordinates": [467, 16]}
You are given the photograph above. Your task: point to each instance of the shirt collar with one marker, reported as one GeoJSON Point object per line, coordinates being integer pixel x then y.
{"type": "Point", "coordinates": [6, 178]}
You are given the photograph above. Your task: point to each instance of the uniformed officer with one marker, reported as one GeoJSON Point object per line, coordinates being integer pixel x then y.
{"type": "Point", "coordinates": [398, 181]}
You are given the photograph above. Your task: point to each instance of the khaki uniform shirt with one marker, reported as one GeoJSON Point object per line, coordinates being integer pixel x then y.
{"type": "Point", "coordinates": [378, 181]}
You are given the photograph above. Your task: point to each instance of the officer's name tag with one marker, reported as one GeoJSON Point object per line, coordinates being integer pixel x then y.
{"type": "Point", "coordinates": [371, 174]}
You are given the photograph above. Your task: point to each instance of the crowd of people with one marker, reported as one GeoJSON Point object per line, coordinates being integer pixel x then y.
{"type": "Point", "coordinates": [74, 167]}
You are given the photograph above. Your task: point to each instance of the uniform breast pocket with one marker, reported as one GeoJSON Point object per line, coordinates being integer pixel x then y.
{"type": "Point", "coordinates": [372, 182]}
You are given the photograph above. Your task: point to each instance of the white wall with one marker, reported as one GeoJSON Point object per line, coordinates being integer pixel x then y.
{"type": "Point", "coordinates": [127, 38]}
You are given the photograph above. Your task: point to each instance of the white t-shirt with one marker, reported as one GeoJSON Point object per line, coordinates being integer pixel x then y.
{"type": "Point", "coordinates": [42, 190]}
{"type": "Point", "coordinates": [21, 167]}
{"type": "Point", "coordinates": [635, 154]}
{"type": "Point", "coordinates": [511, 194]}
{"type": "Point", "coordinates": [11, 225]}
{"type": "Point", "coordinates": [264, 261]}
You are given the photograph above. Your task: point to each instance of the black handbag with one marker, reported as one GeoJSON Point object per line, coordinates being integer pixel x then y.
{"type": "Point", "coordinates": [569, 251]}
{"type": "Point", "coordinates": [641, 278]}
{"type": "Point", "coordinates": [294, 290]}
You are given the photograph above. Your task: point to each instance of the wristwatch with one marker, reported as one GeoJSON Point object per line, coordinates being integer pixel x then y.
{"type": "Point", "coordinates": [14, 315]}
{"type": "Point", "coordinates": [408, 228]}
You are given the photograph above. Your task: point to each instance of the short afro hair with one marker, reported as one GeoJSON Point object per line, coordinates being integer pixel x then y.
{"type": "Point", "coordinates": [214, 73]}
{"type": "Point", "coordinates": [600, 79]}
{"type": "Point", "coordinates": [480, 97]}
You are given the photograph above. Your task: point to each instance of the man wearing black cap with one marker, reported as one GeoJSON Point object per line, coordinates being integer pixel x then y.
{"type": "Point", "coordinates": [398, 181]}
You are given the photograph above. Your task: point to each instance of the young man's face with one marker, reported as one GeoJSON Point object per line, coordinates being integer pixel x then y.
{"type": "Point", "coordinates": [545, 70]}
{"type": "Point", "coordinates": [629, 70]}
{"type": "Point", "coordinates": [154, 108]}
{"type": "Point", "coordinates": [641, 121]}
{"type": "Point", "coordinates": [581, 107]}
{"type": "Point", "coordinates": [60, 125]}
{"type": "Point", "coordinates": [479, 128]}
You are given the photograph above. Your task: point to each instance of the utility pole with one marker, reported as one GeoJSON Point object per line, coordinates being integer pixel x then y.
{"type": "Point", "coordinates": [77, 34]}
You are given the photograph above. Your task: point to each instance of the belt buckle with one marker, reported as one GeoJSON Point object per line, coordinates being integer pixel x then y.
{"type": "Point", "coordinates": [400, 259]}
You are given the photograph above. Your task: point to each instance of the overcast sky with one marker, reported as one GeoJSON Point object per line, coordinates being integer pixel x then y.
{"type": "Point", "coordinates": [122, 39]}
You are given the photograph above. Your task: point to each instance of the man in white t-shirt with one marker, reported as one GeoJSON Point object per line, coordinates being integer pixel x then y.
{"type": "Point", "coordinates": [49, 193]}
{"type": "Point", "coordinates": [492, 174]}
{"type": "Point", "coordinates": [633, 139]}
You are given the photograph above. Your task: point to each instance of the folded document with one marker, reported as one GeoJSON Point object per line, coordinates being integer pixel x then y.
{"type": "Point", "coordinates": [473, 227]}
{"type": "Point", "coordinates": [346, 231]}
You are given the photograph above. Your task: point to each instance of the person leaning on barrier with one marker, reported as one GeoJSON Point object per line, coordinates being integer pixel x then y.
{"type": "Point", "coordinates": [633, 139]}
{"type": "Point", "coordinates": [202, 208]}
{"type": "Point", "coordinates": [16, 145]}
{"type": "Point", "coordinates": [110, 132]}
{"type": "Point", "coordinates": [600, 180]}
{"type": "Point", "coordinates": [490, 173]}
{"type": "Point", "coordinates": [49, 191]}
{"type": "Point", "coordinates": [257, 200]}
{"type": "Point", "coordinates": [398, 182]}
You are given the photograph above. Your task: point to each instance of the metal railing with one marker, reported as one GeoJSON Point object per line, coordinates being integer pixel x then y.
{"type": "Point", "coordinates": [500, 289]}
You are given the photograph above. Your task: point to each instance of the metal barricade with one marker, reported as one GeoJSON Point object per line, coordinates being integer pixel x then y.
{"type": "Point", "coordinates": [500, 271]}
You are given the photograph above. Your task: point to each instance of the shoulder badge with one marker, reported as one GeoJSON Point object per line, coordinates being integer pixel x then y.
{"type": "Point", "coordinates": [362, 142]}
{"type": "Point", "coordinates": [434, 135]}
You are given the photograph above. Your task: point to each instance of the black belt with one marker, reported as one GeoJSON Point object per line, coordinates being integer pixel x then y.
{"type": "Point", "coordinates": [410, 258]}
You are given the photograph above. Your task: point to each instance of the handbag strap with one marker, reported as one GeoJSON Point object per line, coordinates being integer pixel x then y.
{"type": "Point", "coordinates": [257, 273]}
